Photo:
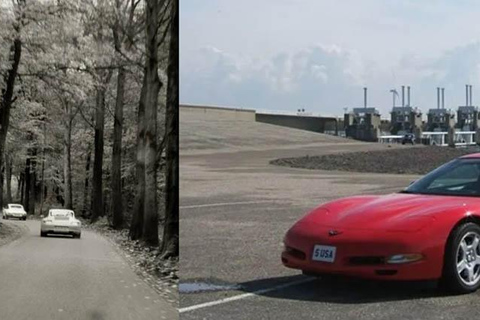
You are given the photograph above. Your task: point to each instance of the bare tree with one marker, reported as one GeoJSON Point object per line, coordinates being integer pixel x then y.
{"type": "Point", "coordinates": [97, 180]}
{"type": "Point", "coordinates": [8, 172]}
{"type": "Point", "coordinates": [7, 91]}
{"type": "Point", "coordinates": [120, 35]}
{"type": "Point", "coordinates": [170, 230]}
{"type": "Point", "coordinates": [67, 155]}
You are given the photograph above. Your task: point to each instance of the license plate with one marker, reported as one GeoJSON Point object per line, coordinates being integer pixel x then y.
{"type": "Point", "coordinates": [61, 229]}
{"type": "Point", "coordinates": [324, 253]}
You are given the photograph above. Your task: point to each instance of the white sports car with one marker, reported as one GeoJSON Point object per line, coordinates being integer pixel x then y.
{"type": "Point", "coordinates": [60, 221]}
{"type": "Point", "coordinates": [13, 210]}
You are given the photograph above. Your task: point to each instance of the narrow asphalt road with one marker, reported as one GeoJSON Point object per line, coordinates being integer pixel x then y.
{"type": "Point", "coordinates": [66, 278]}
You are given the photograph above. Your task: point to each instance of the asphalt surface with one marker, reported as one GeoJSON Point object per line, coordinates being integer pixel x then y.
{"type": "Point", "coordinates": [65, 278]}
{"type": "Point", "coordinates": [235, 209]}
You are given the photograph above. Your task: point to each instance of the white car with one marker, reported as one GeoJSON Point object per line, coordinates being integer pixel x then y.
{"type": "Point", "coordinates": [61, 221]}
{"type": "Point", "coordinates": [13, 210]}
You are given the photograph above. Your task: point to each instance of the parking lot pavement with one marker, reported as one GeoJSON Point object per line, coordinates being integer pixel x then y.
{"type": "Point", "coordinates": [349, 299]}
{"type": "Point", "coordinates": [235, 209]}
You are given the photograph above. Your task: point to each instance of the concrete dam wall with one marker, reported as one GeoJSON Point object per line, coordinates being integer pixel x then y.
{"type": "Point", "coordinates": [309, 123]}
{"type": "Point", "coordinates": [302, 122]}
{"type": "Point", "coordinates": [216, 113]}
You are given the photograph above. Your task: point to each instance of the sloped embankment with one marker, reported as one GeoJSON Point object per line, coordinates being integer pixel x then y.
{"type": "Point", "coordinates": [10, 232]}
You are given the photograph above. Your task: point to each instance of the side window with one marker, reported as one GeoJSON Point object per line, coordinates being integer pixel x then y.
{"type": "Point", "coordinates": [462, 174]}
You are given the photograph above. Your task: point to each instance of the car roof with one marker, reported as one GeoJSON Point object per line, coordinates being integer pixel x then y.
{"type": "Point", "coordinates": [471, 156]}
{"type": "Point", "coordinates": [14, 204]}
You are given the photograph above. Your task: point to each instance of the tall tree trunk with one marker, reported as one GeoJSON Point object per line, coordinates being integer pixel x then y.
{"type": "Point", "coordinates": [26, 203]}
{"type": "Point", "coordinates": [170, 231]}
{"type": "Point", "coordinates": [8, 172]}
{"type": "Point", "coordinates": [67, 164]}
{"type": "Point", "coordinates": [97, 208]}
{"type": "Point", "coordinates": [152, 87]}
{"type": "Point", "coordinates": [21, 184]}
{"type": "Point", "coordinates": [87, 178]}
{"type": "Point", "coordinates": [42, 187]}
{"type": "Point", "coordinates": [19, 188]}
{"type": "Point", "coordinates": [6, 102]}
{"type": "Point", "coordinates": [42, 174]}
{"type": "Point", "coordinates": [33, 181]}
{"type": "Point", "coordinates": [97, 182]}
{"type": "Point", "coordinates": [117, 208]}
{"type": "Point", "coordinates": [136, 226]}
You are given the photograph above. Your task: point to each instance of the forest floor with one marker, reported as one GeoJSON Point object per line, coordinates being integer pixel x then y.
{"type": "Point", "coordinates": [162, 275]}
{"type": "Point", "coordinates": [10, 232]}
{"type": "Point", "coordinates": [416, 160]}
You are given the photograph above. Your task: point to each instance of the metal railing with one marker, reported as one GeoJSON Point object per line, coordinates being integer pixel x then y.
{"type": "Point", "coordinates": [390, 139]}
{"type": "Point", "coordinates": [460, 138]}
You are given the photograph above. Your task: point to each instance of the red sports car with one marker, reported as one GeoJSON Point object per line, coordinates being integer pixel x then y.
{"type": "Point", "coordinates": [430, 230]}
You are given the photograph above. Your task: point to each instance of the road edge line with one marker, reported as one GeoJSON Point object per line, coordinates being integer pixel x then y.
{"type": "Point", "coordinates": [243, 296]}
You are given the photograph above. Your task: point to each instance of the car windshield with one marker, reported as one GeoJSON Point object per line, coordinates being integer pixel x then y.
{"type": "Point", "coordinates": [460, 177]}
{"type": "Point", "coordinates": [16, 206]}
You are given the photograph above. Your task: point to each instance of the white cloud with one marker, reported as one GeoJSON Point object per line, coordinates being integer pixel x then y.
{"type": "Point", "coordinates": [319, 77]}
{"type": "Point", "coordinates": [262, 53]}
{"type": "Point", "coordinates": [325, 79]}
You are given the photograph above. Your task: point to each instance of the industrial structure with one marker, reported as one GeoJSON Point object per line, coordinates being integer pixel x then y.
{"type": "Point", "coordinates": [363, 123]}
{"type": "Point", "coordinates": [406, 118]}
{"type": "Point", "coordinates": [468, 115]}
{"type": "Point", "coordinates": [440, 119]}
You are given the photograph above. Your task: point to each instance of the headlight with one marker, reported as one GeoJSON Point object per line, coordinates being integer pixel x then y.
{"type": "Point", "coordinates": [76, 223]}
{"type": "Point", "coordinates": [47, 221]}
{"type": "Point", "coordinates": [404, 258]}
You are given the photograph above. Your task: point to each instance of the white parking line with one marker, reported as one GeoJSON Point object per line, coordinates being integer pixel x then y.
{"type": "Point", "coordinates": [223, 204]}
{"type": "Point", "coordinates": [243, 296]}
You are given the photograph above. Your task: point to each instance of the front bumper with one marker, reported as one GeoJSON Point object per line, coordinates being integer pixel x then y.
{"type": "Point", "coordinates": [362, 253]}
{"type": "Point", "coordinates": [16, 215]}
{"type": "Point", "coordinates": [60, 229]}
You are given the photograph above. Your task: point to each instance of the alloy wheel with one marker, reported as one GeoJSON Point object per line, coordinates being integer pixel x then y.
{"type": "Point", "coordinates": [468, 258]}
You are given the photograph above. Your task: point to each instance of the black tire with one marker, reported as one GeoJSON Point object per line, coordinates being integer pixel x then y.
{"type": "Point", "coordinates": [43, 234]}
{"type": "Point", "coordinates": [451, 280]}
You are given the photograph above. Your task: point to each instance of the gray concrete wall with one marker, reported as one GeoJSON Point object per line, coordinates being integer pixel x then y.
{"type": "Point", "coordinates": [197, 112]}
{"type": "Point", "coordinates": [190, 112]}
{"type": "Point", "coordinates": [315, 124]}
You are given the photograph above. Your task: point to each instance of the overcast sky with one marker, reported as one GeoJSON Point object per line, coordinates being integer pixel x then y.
{"type": "Point", "coordinates": [318, 54]}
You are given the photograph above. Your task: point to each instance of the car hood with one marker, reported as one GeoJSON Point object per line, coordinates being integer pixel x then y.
{"type": "Point", "coordinates": [398, 211]}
